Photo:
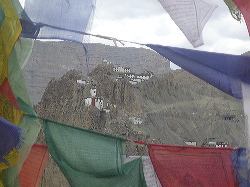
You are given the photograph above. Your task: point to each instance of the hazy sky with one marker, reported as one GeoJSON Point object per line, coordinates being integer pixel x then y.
{"type": "Point", "coordinates": [145, 21]}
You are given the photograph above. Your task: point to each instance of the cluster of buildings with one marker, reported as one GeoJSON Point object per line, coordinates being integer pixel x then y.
{"type": "Point", "coordinates": [134, 79]}
{"type": "Point", "coordinates": [98, 102]}
{"type": "Point", "coordinates": [125, 72]}
{"type": "Point", "coordinates": [208, 144]}
{"type": "Point", "coordinates": [95, 101]}
{"type": "Point", "coordinates": [136, 120]}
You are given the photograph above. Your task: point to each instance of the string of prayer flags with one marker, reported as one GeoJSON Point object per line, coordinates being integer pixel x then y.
{"type": "Point", "coordinates": [30, 126]}
{"type": "Point", "coordinates": [190, 16]}
{"type": "Point", "coordinates": [33, 167]}
{"type": "Point", "coordinates": [89, 158]}
{"type": "Point", "coordinates": [244, 6]}
{"type": "Point", "coordinates": [193, 166]}
{"type": "Point", "coordinates": [223, 71]}
{"type": "Point", "coordinates": [66, 20]}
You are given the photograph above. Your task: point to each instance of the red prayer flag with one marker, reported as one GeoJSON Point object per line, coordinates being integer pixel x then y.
{"type": "Point", "coordinates": [244, 6]}
{"type": "Point", "coordinates": [33, 167]}
{"type": "Point", "coordinates": [6, 91]}
{"type": "Point", "coordinates": [193, 166]}
{"type": "Point", "coordinates": [9, 108]}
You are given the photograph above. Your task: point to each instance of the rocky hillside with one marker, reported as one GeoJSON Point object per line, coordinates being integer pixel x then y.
{"type": "Point", "coordinates": [50, 60]}
{"type": "Point", "coordinates": [165, 104]}
{"type": "Point", "coordinates": [174, 107]}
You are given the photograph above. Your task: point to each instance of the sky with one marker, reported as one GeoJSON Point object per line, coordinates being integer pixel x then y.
{"type": "Point", "coordinates": [146, 21]}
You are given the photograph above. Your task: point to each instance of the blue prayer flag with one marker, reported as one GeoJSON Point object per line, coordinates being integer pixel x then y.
{"type": "Point", "coordinates": [223, 71]}
{"type": "Point", "coordinates": [10, 138]}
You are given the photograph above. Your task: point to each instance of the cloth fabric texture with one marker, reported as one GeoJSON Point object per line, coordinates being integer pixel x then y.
{"type": "Point", "coordinates": [10, 29]}
{"type": "Point", "coordinates": [10, 138]}
{"type": "Point", "coordinates": [193, 166]}
{"type": "Point", "coordinates": [246, 105]}
{"type": "Point", "coordinates": [223, 71]}
{"type": "Point", "coordinates": [33, 167]}
{"type": "Point", "coordinates": [240, 161]}
{"type": "Point", "coordinates": [9, 108]}
{"type": "Point", "coordinates": [190, 16]}
{"type": "Point", "coordinates": [66, 20]}
{"type": "Point", "coordinates": [89, 158]}
{"type": "Point", "coordinates": [30, 126]}
{"type": "Point", "coordinates": [148, 170]}
{"type": "Point", "coordinates": [244, 6]}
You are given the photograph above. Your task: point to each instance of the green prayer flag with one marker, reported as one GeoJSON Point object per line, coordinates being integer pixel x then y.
{"type": "Point", "coordinates": [89, 158]}
{"type": "Point", "coordinates": [17, 59]}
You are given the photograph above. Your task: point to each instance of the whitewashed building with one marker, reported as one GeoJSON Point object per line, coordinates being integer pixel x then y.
{"type": "Point", "coordinates": [136, 120]}
{"type": "Point", "coordinates": [137, 80]}
{"type": "Point", "coordinates": [212, 144]}
{"type": "Point", "coordinates": [96, 102]}
{"type": "Point", "coordinates": [106, 62]}
{"type": "Point", "coordinates": [133, 82]}
{"type": "Point", "coordinates": [127, 70]}
{"type": "Point", "coordinates": [191, 143]}
{"type": "Point", "coordinates": [121, 69]}
{"type": "Point", "coordinates": [99, 103]}
{"type": "Point", "coordinates": [83, 82]}
{"type": "Point", "coordinates": [120, 77]}
{"type": "Point", "coordinates": [130, 75]}
{"type": "Point", "coordinates": [88, 101]}
{"type": "Point", "coordinates": [93, 92]}
{"type": "Point", "coordinates": [221, 144]}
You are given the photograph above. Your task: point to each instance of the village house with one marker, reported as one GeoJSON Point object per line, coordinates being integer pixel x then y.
{"type": "Point", "coordinates": [191, 143]}
{"type": "Point", "coordinates": [121, 69]}
{"type": "Point", "coordinates": [136, 120]}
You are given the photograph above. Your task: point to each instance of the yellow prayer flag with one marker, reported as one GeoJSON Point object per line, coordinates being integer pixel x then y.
{"type": "Point", "coordinates": [10, 30]}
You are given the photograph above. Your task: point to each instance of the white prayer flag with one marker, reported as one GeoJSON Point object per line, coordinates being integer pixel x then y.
{"type": "Point", "coordinates": [246, 103]}
{"type": "Point", "coordinates": [190, 16]}
{"type": "Point", "coordinates": [148, 170]}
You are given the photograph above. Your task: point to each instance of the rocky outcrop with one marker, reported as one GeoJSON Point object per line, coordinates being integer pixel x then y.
{"type": "Point", "coordinates": [50, 60]}
{"type": "Point", "coordinates": [172, 109]}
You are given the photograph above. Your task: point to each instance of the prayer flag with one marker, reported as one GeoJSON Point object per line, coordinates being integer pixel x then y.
{"type": "Point", "coordinates": [89, 158]}
{"type": "Point", "coordinates": [10, 29]}
{"type": "Point", "coordinates": [190, 16]}
{"type": "Point", "coordinates": [33, 167]}
{"type": "Point", "coordinates": [193, 166]}
{"type": "Point", "coordinates": [9, 108]}
{"type": "Point", "coordinates": [223, 71]}
{"type": "Point", "coordinates": [10, 138]}
{"type": "Point", "coordinates": [62, 19]}
{"type": "Point", "coordinates": [148, 169]}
